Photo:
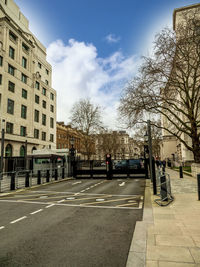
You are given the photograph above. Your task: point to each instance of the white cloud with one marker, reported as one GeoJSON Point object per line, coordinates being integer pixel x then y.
{"type": "Point", "coordinates": [78, 72]}
{"type": "Point", "coordinates": [111, 38]}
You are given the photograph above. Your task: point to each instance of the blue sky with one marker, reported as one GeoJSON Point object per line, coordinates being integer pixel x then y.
{"type": "Point", "coordinates": [94, 46]}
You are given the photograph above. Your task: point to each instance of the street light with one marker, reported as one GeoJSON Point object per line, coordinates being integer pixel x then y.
{"type": "Point", "coordinates": [2, 147]}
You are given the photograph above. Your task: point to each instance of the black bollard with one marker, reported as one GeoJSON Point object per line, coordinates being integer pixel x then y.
{"type": "Point", "coordinates": [56, 174]}
{"type": "Point", "coordinates": [163, 188]}
{"type": "Point", "coordinates": [198, 185]}
{"type": "Point", "coordinates": [39, 177]}
{"type": "Point", "coordinates": [63, 172]}
{"type": "Point", "coordinates": [181, 171]}
{"type": "Point", "coordinates": [12, 182]}
{"type": "Point", "coordinates": [154, 177]}
{"type": "Point", "coordinates": [27, 179]}
{"type": "Point", "coordinates": [47, 176]}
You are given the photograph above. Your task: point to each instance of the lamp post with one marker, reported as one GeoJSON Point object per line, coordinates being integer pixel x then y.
{"type": "Point", "coordinates": [2, 147]}
{"type": "Point", "coordinates": [72, 154]}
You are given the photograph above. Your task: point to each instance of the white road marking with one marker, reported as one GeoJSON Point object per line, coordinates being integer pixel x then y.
{"type": "Point", "coordinates": [22, 218]}
{"type": "Point", "coordinates": [100, 199]}
{"type": "Point", "coordinates": [70, 198]}
{"type": "Point", "coordinates": [62, 200]}
{"type": "Point", "coordinates": [2, 227]}
{"type": "Point", "coordinates": [132, 201]}
{"type": "Point", "coordinates": [43, 197]}
{"type": "Point", "coordinates": [122, 184]}
{"type": "Point", "coordinates": [34, 212]}
{"type": "Point", "coordinates": [79, 182]}
{"type": "Point", "coordinates": [50, 206]}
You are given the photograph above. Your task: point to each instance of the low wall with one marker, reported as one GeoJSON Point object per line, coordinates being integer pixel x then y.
{"type": "Point", "coordinates": [195, 167]}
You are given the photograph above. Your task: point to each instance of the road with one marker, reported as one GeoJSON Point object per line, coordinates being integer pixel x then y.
{"type": "Point", "coordinates": [73, 223]}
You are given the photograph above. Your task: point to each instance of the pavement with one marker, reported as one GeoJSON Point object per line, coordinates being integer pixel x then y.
{"type": "Point", "coordinates": [168, 236]}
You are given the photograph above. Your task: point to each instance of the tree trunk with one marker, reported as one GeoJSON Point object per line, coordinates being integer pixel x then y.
{"type": "Point", "coordinates": [196, 150]}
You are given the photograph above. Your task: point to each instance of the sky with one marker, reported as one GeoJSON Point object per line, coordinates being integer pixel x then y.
{"type": "Point", "coordinates": [95, 46]}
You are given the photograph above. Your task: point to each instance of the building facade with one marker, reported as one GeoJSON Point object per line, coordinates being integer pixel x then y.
{"type": "Point", "coordinates": [27, 99]}
{"type": "Point", "coordinates": [171, 147]}
{"type": "Point", "coordinates": [65, 134]}
{"type": "Point", "coordinates": [117, 143]}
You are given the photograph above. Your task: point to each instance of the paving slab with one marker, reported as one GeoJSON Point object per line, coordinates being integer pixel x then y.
{"type": "Point", "coordinates": [169, 253]}
{"type": "Point", "coordinates": [175, 240]}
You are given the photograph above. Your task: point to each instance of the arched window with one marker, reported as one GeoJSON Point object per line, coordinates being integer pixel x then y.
{"type": "Point", "coordinates": [22, 151]}
{"type": "Point", "coordinates": [34, 148]}
{"type": "Point", "coordinates": [8, 152]}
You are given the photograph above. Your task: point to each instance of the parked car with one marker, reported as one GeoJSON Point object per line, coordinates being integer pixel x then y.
{"type": "Point", "coordinates": [130, 164]}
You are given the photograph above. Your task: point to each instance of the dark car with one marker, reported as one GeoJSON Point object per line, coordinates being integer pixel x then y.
{"type": "Point", "coordinates": [129, 164]}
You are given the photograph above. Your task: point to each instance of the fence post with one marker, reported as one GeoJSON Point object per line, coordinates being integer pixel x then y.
{"type": "Point", "coordinates": [63, 172]}
{"type": "Point", "coordinates": [39, 177]}
{"type": "Point", "coordinates": [181, 171]}
{"type": "Point", "coordinates": [27, 179]}
{"type": "Point", "coordinates": [163, 188]}
{"type": "Point", "coordinates": [198, 185]}
{"type": "Point", "coordinates": [12, 182]}
{"type": "Point", "coordinates": [56, 174]}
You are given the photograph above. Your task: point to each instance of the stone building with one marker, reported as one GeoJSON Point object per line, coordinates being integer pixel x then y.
{"type": "Point", "coordinates": [64, 135]}
{"type": "Point", "coordinates": [27, 99]}
{"type": "Point", "coordinates": [171, 147]}
{"type": "Point", "coordinates": [117, 143]}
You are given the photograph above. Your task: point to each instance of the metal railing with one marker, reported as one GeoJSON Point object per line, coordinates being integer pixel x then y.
{"type": "Point", "coordinates": [163, 188]}
{"type": "Point", "coordinates": [26, 178]}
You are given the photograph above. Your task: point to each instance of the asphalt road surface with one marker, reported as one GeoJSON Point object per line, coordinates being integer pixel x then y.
{"type": "Point", "coordinates": [72, 223]}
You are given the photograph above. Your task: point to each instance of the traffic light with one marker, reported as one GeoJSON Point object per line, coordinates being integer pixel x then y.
{"type": "Point", "coordinates": [108, 158]}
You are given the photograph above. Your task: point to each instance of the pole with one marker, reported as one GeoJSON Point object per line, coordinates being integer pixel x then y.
{"type": "Point", "coordinates": [2, 148]}
{"type": "Point", "coordinates": [25, 156]}
{"type": "Point", "coordinates": [150, 149]}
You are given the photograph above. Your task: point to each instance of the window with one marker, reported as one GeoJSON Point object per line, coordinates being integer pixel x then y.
{"type": "Point", "coordinates": [25, 47]}
{"type": "Point", "coordinates": [37, 99]}
{"type": "Point", "coordinates": [10, 106]}
{"type": "Point", "coordinates": [1, 61]}
{"type": "Point", "coordinates": [47, 72]}
{"type": "Point", "coordinates": [9, 127]}
{"type": "Point", "coordinates": [43, 136]}
{"type": "Point", "coordinates": [12, 36]}
{"type": "Point", "coordinates": [51, 123]}
{"type": "Point", "coordinates": [22, 131]}
{"type": "Point", "coordinates": [24, 62]}
{"type": "Point", "coordinates": [8, 151]}
{"type": "Point", "coordinates": [44, 104]}
{"type": "Point", "coordinates": [44, 91]}
{"type": "Point", "coordinates": [11, 52]}
{"type": "Point", "coordinates": [24, 93]}
{"type": "Point", "coordinates": [51, 108]}
{"type": "Point", "coordinates": [46, 82]}
{"type": "Point", "coordinates": [23, 111]}
{"type": "Point", "coordinates": [22, 151]}
{"type": "Point", "coordinates": [37, 85]}
{"type": "Point", "coordinates": [24, 78]}
{"type": "Point", "coordinates": [11, 70]}
{"type": "Point", "coordinates": [36, 133]}
{"type": "Point", "coordinates": [39, 65]}
{"type": "Point", "coordinates": [52, 96]}
{"type": "Point", "coordinates": [43, 119]}
{"type": "Point", "coordinates": [36, 115]}
{"type": "Point", "coordinates": [11, 86]}
{"type": "Point", "coordinates": [0, 78]}
{"type": "Point", "coordinates": [51, 137]}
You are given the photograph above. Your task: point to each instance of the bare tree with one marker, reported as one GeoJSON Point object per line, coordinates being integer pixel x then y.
{"type": "Point", "coordinates": [87, 118]}
{"type": "Point", "coordinates": [108, 143]}
{"type": "Point", "coordinates": [156, 136]}
{"type": "Point", "coordinates": [168, 84]}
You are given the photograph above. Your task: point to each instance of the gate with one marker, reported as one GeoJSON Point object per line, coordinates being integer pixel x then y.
{"type": "Point", "coordinates": [108, 170]}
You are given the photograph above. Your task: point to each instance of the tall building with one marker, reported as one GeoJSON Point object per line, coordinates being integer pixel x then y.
{"type": "Point", "coordinates": [171, 147]}
{"type": "Point", "coordinates": [27, 100]}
